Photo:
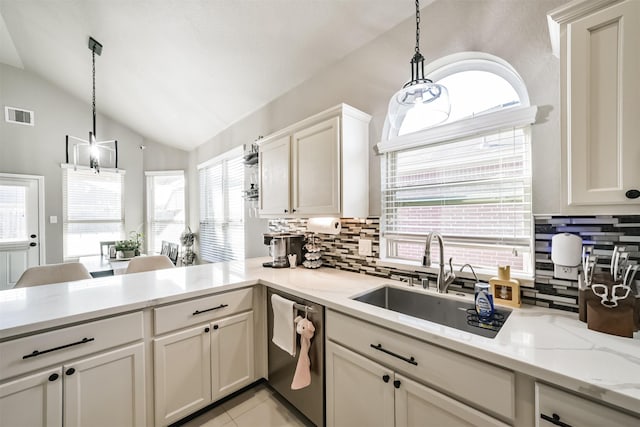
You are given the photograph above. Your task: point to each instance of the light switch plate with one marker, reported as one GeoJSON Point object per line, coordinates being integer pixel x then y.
{"type": "Point", "coordinates": [53, 219]}
{"type": "Point", "coordinates": [364, 247]}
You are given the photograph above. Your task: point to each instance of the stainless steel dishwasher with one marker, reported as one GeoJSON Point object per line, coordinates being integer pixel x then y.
{"type": "Point", "coordinates": [309, 400]}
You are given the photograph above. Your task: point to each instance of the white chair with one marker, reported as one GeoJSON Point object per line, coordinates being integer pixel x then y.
{"type": "Point", "coordinates": [149, 263]}
{"type": "Point", "coordinates": [53, 273]}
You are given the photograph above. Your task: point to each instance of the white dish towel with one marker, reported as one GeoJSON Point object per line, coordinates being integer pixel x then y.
{"type": "Point", "coordinates": [284, 334]}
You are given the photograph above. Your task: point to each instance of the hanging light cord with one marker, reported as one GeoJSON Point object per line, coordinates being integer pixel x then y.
{"type": "Point", "coordinates": [417, 26]}
{"type": "Point", "coordinates": [93, 101]}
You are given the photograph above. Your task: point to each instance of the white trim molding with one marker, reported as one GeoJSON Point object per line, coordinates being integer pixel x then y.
{"type": "Point", "coordinates": [512, 117]}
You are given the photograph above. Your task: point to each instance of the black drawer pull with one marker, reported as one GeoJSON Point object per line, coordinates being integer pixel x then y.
{"type": "Point", "coordinates": [384, 350]}
{"type": "Point", "coordinates": [210, 309]}
{"type": "Point", "coordinates": [397, 383]}
{"type": "Point", "coordinates": [386, 378]}
{"type": "Point", "coordinates": [554, 419]}
{"type": "Point", "coordinates": [38, 353]}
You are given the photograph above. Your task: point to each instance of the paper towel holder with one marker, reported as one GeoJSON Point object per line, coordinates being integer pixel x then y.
{"type": "Point", "coordinates": [566, 254]}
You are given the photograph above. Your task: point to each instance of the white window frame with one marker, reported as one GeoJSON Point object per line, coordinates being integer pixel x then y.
{"type": "Point", "coordinates": [521, 116]}
{"type": "Point", "coordinates": [65, 219]}
{"type": "Point", "coordinates": [232, 154]}
{"type": "Point", "coordinates": [149, 240]}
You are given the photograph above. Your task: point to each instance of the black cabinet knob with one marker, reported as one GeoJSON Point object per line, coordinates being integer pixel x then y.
{"type": "Point", "coordinates": [206, 329]}
{"type": "Point", "coordinates": [215, 326]}
{"type": "Point", "coordinates": [33, 236]}
{"type": "Point", "coordinates": [70, 371]}
{"type": "Point", "coordinates": [32, 244]}
{"type": "Point", "coordinates": [293, 210]}
{"type": "Point", "coordinates": [632, 194]}
{"type": "Point", "coordinates": [286, 210]}
{"type": "Point", "coordinates": [396, 383]}
{"type": "Point", "coordinates": [53, 377]}
{"type": "Point", "coordinates": [386, 378]}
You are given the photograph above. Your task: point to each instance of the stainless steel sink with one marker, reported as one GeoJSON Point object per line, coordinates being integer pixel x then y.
{"type": "Point", "coordinates": [449, 312]}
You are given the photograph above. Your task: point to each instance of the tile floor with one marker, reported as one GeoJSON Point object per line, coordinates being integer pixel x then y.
{"type": "Point", "coordinates": [257, 407]}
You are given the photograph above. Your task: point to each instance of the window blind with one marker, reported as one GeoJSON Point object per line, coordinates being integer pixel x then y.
{"type": "Point", "coordinates": [474, 191]}
{"type": "Point", "coordinates": [13, 213]}
{"type": "Point", "coordinates": [222, 208]}
{"type": "Point", "coordinates": [93, 210]}
{"type": "Point", "coordinates": [165, 208]}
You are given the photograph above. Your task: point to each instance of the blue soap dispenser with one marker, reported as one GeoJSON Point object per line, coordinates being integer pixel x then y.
{"type": "Point", "coordinates": [484, 301]}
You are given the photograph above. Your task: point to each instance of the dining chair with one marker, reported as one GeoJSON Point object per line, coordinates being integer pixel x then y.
{"type": "Point", "coordinates": [164, 250]}
{"type": "Point", "coordinates": [53, 273]}
{"type": "Point", "coordinates": [149, 263]}
{"type": "Point", "coordinates": [174, 249]}
{"type": "Point", "coordinates": [104, 246]}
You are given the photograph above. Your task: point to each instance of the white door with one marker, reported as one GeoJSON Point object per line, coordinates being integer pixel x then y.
{"type": "Point", "coordinates": [421, 406]}
{"type": "Point", "coordinates": [232, 355]}
{"type": "Point", "coordinates": [182, 373]}
{"type": "Point", "coordinates": [33, 400]}
{"type": "Point", "coordinates": [20, 223]}
{"type": "Point", "coordinates": [274, 177]}
{"type": "Point", "coordinates": [359, 391]}
{"type": "Point", "coordinates": [106, 390]}
{"type": "Point", "coordinates": [316, 169]}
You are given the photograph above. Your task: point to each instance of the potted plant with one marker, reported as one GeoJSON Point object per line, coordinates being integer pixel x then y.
{"type": "Point", "coordinates": [130, 247]}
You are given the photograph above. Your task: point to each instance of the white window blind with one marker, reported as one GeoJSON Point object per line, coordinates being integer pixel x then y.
{"type": "Point", "coordinates": [475, 191]}
{"type": "Point", "coordinates": [221, 207]}
{"type": "Point", "coordinates": [93, 210]}
{"type": "Point", "coordinates": [165, 208]}
{"type": "Point", "coordinates": [13, 213]}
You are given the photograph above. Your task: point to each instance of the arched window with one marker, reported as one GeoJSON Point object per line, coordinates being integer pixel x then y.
{"type": "Point", "coordinates": [468, 178]}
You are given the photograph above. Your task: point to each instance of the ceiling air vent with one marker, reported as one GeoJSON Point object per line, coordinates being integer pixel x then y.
{"type": "Point", "coordinates": [18, 116]}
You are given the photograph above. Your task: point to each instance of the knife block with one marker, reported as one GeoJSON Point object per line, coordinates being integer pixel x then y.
{"type": "Point", "coordinates": [622, 320]}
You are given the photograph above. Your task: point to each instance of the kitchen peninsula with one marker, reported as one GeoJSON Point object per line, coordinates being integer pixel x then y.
{"type": "Point", "coordinates": [539, 348]}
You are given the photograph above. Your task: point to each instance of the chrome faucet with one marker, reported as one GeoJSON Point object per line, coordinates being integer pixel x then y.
{"type": "Point", "coordinates": [444, 278]}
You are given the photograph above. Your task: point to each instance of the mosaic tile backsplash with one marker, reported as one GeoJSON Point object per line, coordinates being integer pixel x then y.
{"type": "Point", "coordinates": [603, 232]}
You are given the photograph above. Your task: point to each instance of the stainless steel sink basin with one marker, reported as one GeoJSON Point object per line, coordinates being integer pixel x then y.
{"type": "Point", "coordinates": [449, 312]}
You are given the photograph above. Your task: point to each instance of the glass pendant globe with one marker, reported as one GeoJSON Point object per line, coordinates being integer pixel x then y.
{"type": "Point", "coordinates": [419, 106]}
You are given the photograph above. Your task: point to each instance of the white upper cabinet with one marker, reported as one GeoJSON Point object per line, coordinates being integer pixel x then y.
{"type": "Point", "coordinates": [317, 167]}
{"type": "Point", "coordinates": [600, 63]}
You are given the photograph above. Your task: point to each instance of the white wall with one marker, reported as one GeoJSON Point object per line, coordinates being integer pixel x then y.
{"type": "Point", "coordinates": [513, 30]}
{"type": "Point", "coordinates": [39, 150]}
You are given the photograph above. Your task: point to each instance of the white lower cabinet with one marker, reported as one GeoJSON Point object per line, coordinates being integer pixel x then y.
{"type": "Point", "coordinates": [196, 366]}
{"type": "Point", "coordinates": [363, 392]}
{"type": "Point", "coordinates": [33, 400]}
{"type": "Point", "coordinates": [104, 390]}
{"type": "Point", "coordinates": [557, 407]}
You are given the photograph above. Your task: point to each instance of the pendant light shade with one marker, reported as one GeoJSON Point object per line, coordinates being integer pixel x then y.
{"type": "Point", "coordinates": [420, 101]}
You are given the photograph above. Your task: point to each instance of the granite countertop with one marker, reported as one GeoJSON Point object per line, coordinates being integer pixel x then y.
{"type": "Point", "coordinates": [550, 345]}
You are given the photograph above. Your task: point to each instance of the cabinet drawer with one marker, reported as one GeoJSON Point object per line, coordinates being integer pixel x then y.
{"type": "Point", "coordinates": [573, 410]}
{"type": "Point", "coordinates": [49, 348]}
{"type": "Point", "coordinates": [188, 313]}
{"type": "Point", "coordinates": [476, 382]}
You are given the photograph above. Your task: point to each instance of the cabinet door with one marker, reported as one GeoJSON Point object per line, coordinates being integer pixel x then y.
{"type": "Point", "coordinates": [359, 391]}
{"type": "Point", "coordinates": [182, 373]}
{"type": "Point", "coordinates": [603, 134]}
{"type": "Point", "coordinates": [275, 177]}
{"type": "Point", "coordinates": [316, 169]}
{"type": "Point", "coordinates": [232, 352]}
{"type": "Point", "coordinates": [106, 390]}
{"type": "Point", "coordinates": [575, 411]}
{"type": "Point", "coordinates": [33, 400]}
{"type": "Point", "coordinates": [421, 406]}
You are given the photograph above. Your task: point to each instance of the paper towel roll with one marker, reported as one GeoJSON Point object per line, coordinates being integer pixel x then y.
{"type": "Point", "coordinates": [324, 225]}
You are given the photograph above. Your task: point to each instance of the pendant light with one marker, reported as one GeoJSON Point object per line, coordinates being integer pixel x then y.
{"type": "Point", "coordinates": [93, 146]}
{"type": "Point", "coordinates": [426, 101]}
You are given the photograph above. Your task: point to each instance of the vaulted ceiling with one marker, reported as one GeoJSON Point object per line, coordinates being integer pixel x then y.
{"type": "Point", "coordinates": [180, 71]}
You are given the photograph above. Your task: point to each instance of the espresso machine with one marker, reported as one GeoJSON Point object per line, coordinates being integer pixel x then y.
{"type": "Point", "coordinates": [283, 244]}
